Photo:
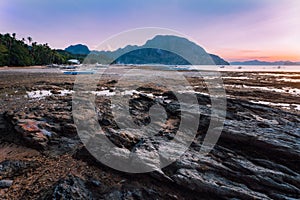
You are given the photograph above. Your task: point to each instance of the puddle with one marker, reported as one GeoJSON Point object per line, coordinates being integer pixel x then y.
{"type": "Point", "coordinates": [289, 80]}
{"type": "Point", "coordinates": [192, 92]}
{"type": "Point", "coordinates": [286, 90]}
{"type": "Point", "coordinates": [282, 105]}
{"type": "Point", "coordinates": [113, 93]}
{"type": "Point", "coordinates": [65, 92]}
{"type": "Point", "coordinates": [39, 94]}
{"type": "Point", "coordinates": [237, 78]}
{"type": "Point", "coordinates": [275, 74]}
{"type": "Point", "coordinates": [103, 93]}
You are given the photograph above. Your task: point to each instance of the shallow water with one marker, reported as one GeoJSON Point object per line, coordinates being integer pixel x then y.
{"type": "Point", "coordinates": [251, 68]}
{"type": "Point", "coordinates": [290, 80]}
{"type": "Point", "coordinates": [286, 90]}
{"type": "Point", "coordinates": [282, 105]}
{"type": "Point", "coordinates": [233, 68]}
{"type": "Point", "coordinates": [39, 94]}
{"type": "Point", "coordinates": [237, 77]}
{"type": "Point", "coordinates": [279, 74]}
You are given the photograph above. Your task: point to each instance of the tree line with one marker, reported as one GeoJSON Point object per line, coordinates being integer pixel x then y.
{"type": "Point", "coordinates": [26, 52]}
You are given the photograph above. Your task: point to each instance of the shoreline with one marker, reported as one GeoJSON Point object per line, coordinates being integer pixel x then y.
{"type": "Point", "coordinates": [188, 68]}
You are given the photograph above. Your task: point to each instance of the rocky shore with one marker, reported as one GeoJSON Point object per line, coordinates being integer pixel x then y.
{"type": "Point", "coordinates": [256, 157]}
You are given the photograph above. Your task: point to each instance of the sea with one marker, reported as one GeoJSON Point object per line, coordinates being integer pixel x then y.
{"type": "Point", "coordinates": [232, 68]}
{"type": "Point", "coordinates": [241, 68]}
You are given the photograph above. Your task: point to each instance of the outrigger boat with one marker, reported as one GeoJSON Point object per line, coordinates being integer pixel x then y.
{"type": "Point", "coordinates": [78, 72]}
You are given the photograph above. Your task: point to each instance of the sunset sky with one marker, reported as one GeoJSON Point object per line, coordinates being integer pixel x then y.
{"type": "Point", "coordinates": [234, 29]}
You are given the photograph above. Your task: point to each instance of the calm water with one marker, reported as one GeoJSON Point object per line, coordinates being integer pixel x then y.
{"type": "Point", "coordinates": [233, 68]}
{"type": "Point", "coordinates": [246, 68]}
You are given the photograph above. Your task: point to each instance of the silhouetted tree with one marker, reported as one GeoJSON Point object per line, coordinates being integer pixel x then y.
{"type": "Point", "coordinates": [14, 52]}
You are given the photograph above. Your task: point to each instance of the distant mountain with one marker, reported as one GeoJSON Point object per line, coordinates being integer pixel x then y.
{"type": "Point", "coordinates": [78, 49]}
{"type": "Point", "coordinates": [150, 53]}
{"type": "Point", "coordinates": [258, 62]}
{"type": "Point", "coordinates": [218, 60]}
{"type": "Point", "coordinates": [151, 56]}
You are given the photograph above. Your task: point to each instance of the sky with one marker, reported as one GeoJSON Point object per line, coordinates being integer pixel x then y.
{"type": "Point", "coordinates": [236, 30]}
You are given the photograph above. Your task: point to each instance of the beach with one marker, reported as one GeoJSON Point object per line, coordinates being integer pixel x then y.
{"type": "Point", "coordinates": [256, 156]}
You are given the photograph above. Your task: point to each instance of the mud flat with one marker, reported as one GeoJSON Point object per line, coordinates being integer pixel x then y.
{"type": "Point", "coordinates": [256, 157]}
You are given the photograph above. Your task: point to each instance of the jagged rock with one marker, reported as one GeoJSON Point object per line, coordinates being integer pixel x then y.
{"type": "Point", "coordinates": [129, 192]}
{"type": "Point", "coordinates": [32, 134]}
{"type": "Point", "coordinates": [59, 117]}
{"type": "Point", "coordinates": [95, 183]}
{"type": "Point", "coordinates": [69, 130]}
{"type": "Point", "coordinates": [114, 195]}
{"type": "Point", "coordinates": [72, 188]}
{"type": "Point", "coordinates": [55, 92]}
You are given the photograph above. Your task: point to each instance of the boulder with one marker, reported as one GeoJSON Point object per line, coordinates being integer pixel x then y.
{"type": "Point", "coordinates": [31, 133]}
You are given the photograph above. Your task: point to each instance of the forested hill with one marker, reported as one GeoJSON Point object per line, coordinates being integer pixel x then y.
{"type": "Point", "coordinates": [150, 53]}
{"type": "Point", "coordinates": [26, 52]}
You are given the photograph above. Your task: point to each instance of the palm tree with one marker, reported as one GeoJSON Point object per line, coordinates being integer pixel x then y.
{"type": "Point", "coordinates": [29, 39]}
{"type": "Point", "coordinates": [14, 35]}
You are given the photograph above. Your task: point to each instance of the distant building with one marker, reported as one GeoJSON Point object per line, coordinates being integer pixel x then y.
{"type": "Point", "coordinates": [74, 61]}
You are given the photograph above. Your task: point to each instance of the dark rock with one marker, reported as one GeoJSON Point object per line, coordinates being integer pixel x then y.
{"type": "Point", "coordinates": [70, 188]}
{"type": "Point", "coordinates": [263, 125]}
{"type": "Point", "coordinates": [31, 133]}
{"type": "Point", "coordinates": [55, 92]}
{"type": "Point", "coordinates": [114, 195]}
{"type": "Point", "coordinates": [10, 169]}
{"type": "Point", "coordinates": [6, 183]}
{"type": "Point", "coordinates": [96, 183]}
{"type": "Point", "coordinates": [62, 145]}
{"type": "Point", "coordinates": [112, 82]}
{"type": "Point", "coordinates": [69, 130]}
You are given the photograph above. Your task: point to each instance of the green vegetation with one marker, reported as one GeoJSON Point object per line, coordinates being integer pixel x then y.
{"type": "Point", "coordinates": [25, 52]}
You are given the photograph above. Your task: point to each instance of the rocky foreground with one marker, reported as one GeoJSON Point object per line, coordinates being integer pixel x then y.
{"type": "Point", "coordinates": [256, 157]}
